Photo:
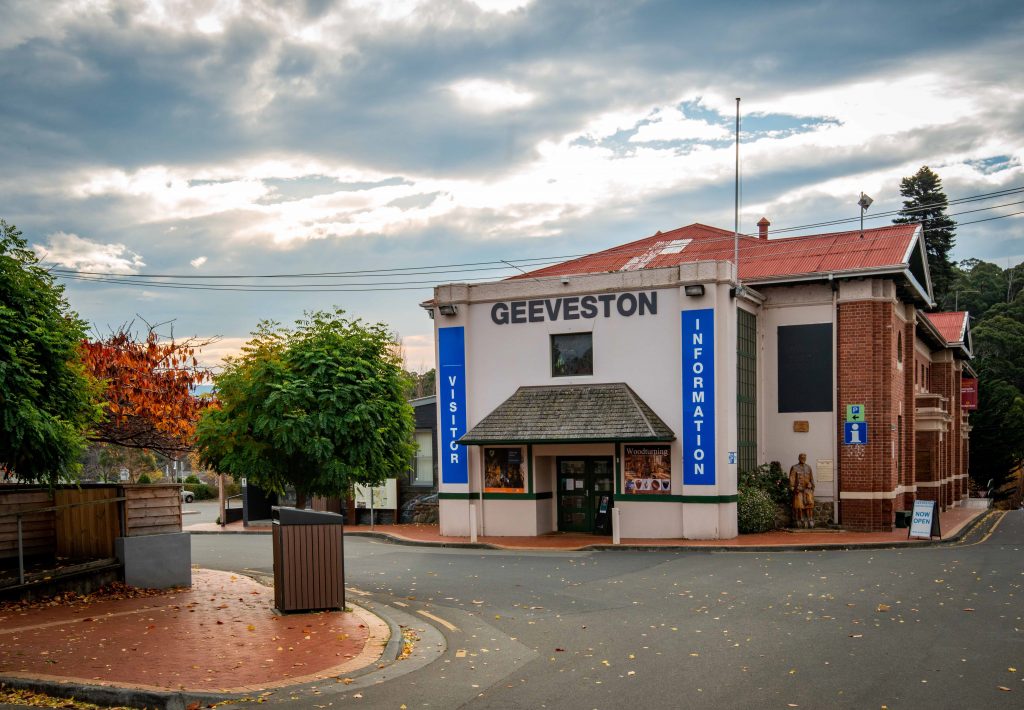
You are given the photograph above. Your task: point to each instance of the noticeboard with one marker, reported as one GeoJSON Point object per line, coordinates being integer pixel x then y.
{"type": "Point", "coordinates": [383, 497]}
{"type": "Point", "coordinates": [925, 521]}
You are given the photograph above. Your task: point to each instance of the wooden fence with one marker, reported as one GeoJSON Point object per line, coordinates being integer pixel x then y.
{"type": "Point", "coordinates": [76, 523]}
{"type": "Point", "coordinates": [37, 529]}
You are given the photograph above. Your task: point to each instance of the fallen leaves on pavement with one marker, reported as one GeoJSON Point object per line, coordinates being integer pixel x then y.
{"type": "Point", "coordinates": [13, 696]}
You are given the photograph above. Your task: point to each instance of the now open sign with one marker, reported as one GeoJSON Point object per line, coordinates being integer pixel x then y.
{"type": "Point", "coordinates": [924, 522]}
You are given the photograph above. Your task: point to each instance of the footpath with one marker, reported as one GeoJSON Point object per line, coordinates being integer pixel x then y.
{"type": "Point", "coordinates": [952, 523]}
{"type": "Point", "coordinates": [221, 640]}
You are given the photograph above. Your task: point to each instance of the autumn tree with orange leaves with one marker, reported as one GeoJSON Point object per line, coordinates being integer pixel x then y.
{"type": "Point", "coordinates": [148, 389]}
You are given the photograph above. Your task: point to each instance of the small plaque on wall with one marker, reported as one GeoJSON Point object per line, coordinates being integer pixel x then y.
{"type": "Point", "coordinates": [801, 425]}
{"type": "Point", "coordinates": [824, 473]}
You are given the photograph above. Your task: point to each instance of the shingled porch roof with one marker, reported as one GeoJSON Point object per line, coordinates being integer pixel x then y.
{"type": "Point", "coordinates": [551, 414]}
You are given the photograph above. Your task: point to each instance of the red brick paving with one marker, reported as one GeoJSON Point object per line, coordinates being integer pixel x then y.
{"type": "Point", "coordinates": [220, 635]}
{"type": "Point", "coordinates": [951, 522]}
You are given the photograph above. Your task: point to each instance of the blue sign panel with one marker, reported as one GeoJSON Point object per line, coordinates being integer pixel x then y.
{"type": "Point", "coordinates": [698, 329]}
{"type": "Point", "coordinates": [451, 387]}
{"type": "Point", "coordinates": [855, 433]}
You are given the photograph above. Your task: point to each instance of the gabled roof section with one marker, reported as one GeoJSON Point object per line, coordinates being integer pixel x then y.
{"type": "Point", "coordinates": [955, 329]}
{"type": "Point", "coordinates": [896, 248]}
{"type": "Point", "coordinates": [570, 413]}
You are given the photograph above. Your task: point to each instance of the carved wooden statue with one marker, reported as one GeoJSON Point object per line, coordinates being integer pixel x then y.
{"type": "Point", "coordinates": [801, 484]}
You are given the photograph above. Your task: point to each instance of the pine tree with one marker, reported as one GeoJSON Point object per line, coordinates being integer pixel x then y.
{"type": "Point", "coordinates": [926, 204]}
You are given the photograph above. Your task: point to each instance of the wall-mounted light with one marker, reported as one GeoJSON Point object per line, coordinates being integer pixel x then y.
{"type": "Point", "coordinates": [448, 309]}
{"type": "Point", "coordinates": [694, 290]}
{"type": "Point", "coordinates": [565, 280]}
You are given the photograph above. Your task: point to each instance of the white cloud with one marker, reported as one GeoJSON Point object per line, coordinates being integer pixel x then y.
{"type": "Point", "coordinates": [198, 261]}
{"type": "Point", "coordinates": [669, 124]}
{"type": "Point", "coordinates": [75, 252]}
{"type": "Point", "coordinates": [418, 352]}
{"type": "Point", "coordinates": [485, 96]}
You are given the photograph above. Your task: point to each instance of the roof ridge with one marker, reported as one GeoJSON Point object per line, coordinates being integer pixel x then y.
{"type": "Point", "coordinates": [636, 403]}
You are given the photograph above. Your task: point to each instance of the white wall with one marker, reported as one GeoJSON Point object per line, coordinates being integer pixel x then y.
{"type": "Point", "coordinates": [644, 352]}
{"type": "Point", "coordinates": [793, 305]}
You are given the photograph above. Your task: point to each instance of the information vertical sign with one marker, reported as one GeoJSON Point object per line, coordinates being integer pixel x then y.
{"type": "Point", "coordinates": [698, 331]}
{"type": "Point", "coordinates": [451, 386]}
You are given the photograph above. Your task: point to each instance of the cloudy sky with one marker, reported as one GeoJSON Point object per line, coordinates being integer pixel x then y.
{"type": "Point", "coordinates": [372, 139]}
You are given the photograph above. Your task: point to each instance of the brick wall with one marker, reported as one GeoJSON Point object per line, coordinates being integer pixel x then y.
{"type": "Point", "coordinates": [867, 374]}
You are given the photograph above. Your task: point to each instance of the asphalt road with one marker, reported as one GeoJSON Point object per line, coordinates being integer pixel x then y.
{"type": "Point", "coordinates": [937, 627]}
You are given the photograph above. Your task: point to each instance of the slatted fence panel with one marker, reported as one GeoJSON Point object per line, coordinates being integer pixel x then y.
{"type": "Point", "coordinates": [152, 509]}
{"type": "Point", "coordinates": [86, 531]}
{"type": "Point", "coordinates": [37, 530]}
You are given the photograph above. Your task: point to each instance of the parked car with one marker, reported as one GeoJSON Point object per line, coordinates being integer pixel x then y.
{"type": "Point", "coordinates": [187, 496]}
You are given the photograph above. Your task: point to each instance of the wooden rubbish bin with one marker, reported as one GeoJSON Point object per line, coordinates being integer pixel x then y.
{"type": "Point", "coordinates": [309, 569]}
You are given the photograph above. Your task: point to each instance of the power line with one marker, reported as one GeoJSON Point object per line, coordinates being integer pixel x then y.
{"type": "Point", "coordinates": [533, 262]}
{"type": "Point", "coordinates": [502, 264]}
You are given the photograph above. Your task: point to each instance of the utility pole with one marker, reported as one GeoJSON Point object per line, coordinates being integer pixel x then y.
{"type": "Point", "coordinates": [736, 204]}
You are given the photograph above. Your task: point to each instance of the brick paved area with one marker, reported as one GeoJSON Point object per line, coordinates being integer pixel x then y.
{"type": "Point", "coordinates": [219, 636]}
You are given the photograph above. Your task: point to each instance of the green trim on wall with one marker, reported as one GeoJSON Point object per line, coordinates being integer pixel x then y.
{"type": "Point", "coordinates": [654, 498]}
{"type": "Point", "coordinates": [529, 468]}
{"type": "Point", "coordinates": [618, 470]}
{"type": "Point", "coordinates": [518, 496]}
{"type": "Point", "coordinates": [444, 495]}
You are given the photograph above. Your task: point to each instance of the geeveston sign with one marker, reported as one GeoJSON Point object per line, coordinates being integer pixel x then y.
{"type": "Point", "coordinates": [575, 307]}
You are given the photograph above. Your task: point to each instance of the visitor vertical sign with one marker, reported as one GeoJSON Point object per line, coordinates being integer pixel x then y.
{"type": "Point", "coordinates": [451, 387]}
{"type": "Point", "coordinates": [698, 333]}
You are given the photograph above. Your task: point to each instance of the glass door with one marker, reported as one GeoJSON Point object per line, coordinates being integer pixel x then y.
{"type": "Point", "coordinates": [573, 495]}
{"type": "Point", "coordinates": [585, 492]}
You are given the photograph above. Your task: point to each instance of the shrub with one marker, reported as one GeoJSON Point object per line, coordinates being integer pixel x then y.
{"type": "Point", "coordinates": [755, 510]}
{"type": "Point", "coordinates": [770, 478]}
{"type": "Point", "coordinates": [201, 490]}
{"type": "Point", "coordinates": [192, 478]}
{"type": "Point", "coordinates": [144, 478]}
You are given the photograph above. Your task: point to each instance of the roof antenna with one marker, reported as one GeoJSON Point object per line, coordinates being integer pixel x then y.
{"type": "Point", "coordinates": [864, 203]}
{"type": "Point", "coordinates": [736, 204]}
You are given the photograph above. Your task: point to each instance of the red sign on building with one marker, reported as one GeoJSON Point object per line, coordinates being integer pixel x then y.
{"type": "Point", "coordinates": [969, 393]}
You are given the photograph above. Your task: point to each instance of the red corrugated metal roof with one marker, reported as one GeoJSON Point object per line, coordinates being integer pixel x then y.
{"type": "Point", "coordinates": [760, 259]}
{"type": "Point", "coordinates": [952, 325]}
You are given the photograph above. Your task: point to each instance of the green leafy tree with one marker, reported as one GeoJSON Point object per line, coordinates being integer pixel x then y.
{"type": "Point", "coordinates": [997, 436]}
{"type": "Point", "coordinates": [977, 286]}
{"type": "Point", "coordinates": [318, 407]}
{"type": "Point", "coordinates": [46, 399]}
{"type": "Point", "coordinates": [925, 203]}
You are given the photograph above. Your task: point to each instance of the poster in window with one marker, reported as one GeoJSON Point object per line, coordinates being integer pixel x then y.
{"type": "Point", "coordinates": [503, 471]}
{"type": "Point", "coordinates": [648, 469]}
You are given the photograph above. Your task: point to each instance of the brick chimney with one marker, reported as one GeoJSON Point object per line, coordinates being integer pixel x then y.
{"type": "Point", "coordinates": [762, 228]}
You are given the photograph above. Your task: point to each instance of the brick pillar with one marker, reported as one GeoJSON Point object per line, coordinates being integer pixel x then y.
{"type": "Point", "coordinates": [866, 363]}
{"type": "Point", "coordinates": [957, 489]}
{"type": "Point", "coordinates": [942, 384]}
{"type": "Point", "coordinates": [907, 475]}
{"type": "Point", "coordinates": [928, 456]}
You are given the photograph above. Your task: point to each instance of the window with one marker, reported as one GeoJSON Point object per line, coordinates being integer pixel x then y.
{"type": "Point", "coordinates": [504, 471]}
{"type": "Point", "coordinates": [899, 347]}
{"type": "Point", "coordinates": [805, 368]}
{"type": "Point", "coordinates": [423, 462]}
{"type": "Point", "coordinates": [572, 354]}
{"type": "Point", "coordinates": [746, 389]}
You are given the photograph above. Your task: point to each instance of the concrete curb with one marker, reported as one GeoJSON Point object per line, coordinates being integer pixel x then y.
{"type": "Point", "coordinates": [797, 547]}
{"type": "Point", "coordinates": [113, 695]}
